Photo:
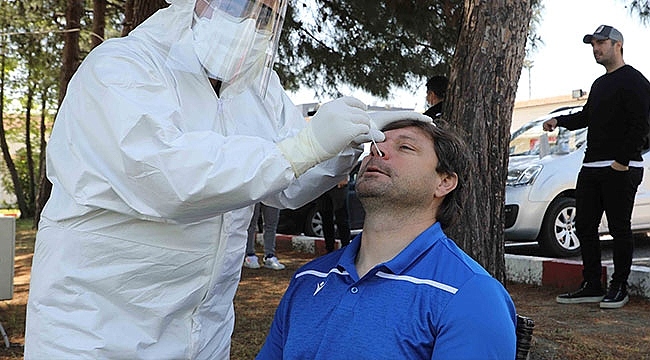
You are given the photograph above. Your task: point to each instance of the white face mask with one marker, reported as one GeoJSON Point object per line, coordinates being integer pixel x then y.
{"type": "Point", "coordinates": [230, 48]}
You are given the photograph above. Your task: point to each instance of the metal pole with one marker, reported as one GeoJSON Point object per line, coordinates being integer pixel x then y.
{"type": "Point", "coordinates": [4, 336]}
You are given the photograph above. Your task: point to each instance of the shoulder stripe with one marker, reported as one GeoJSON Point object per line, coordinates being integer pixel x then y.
{"type": "Point", "coordinates": [415, 280]}
{"type": "Point", "coordinates": [320, 273]}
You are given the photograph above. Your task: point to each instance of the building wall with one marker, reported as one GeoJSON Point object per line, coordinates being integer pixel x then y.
{"type": "Point", "coordinates": [525, 111]}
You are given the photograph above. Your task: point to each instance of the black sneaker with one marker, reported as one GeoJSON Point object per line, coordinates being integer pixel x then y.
{"type": "Point", "coordinates": [588, 293]}
{"type": "Point", "coordinates": [616, 297]}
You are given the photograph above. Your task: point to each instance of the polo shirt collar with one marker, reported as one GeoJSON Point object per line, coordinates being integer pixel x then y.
{"type": "Point", "coordinates": [403, 260]}
{"type": "Point", "coordinates": [346, 261]}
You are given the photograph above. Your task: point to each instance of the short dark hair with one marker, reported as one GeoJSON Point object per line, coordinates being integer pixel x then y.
{"type": "Point", "coordinates": [438, 84]}
{"type": "Point", "coordinates": [453, 158]}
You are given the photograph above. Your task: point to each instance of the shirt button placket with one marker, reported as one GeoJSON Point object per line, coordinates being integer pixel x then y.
{"type": "Point", "coordinates": [350, 299]}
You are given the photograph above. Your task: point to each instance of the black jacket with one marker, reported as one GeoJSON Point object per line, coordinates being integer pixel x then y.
{"type": "Point", "coordinates": [435, 111]}
{"type": "Point", "coordinates": [617, 114]}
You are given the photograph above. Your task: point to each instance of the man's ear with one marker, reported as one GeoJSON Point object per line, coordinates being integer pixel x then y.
{"type": "Point", "coordinates": [447, 184]}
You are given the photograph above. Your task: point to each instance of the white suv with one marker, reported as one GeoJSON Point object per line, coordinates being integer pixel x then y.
{"type": "Point", "coordinates": [540, 189]}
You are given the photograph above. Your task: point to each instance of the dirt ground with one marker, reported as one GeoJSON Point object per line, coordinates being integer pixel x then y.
{"type": "Point", "coordinates": [583, 331]}
{"type": "Point", "coordinates": [561, 331]}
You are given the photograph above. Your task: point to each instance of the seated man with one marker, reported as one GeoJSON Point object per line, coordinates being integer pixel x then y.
{"type": "Point", "coordinates": [401, 289]}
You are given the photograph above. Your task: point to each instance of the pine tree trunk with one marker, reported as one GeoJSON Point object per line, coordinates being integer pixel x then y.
{"type": "Point", "coordinates": [31, 185]}
{"type": "Point", "coordinates": [71, 53]}
{"type": "Point", "coordinates": [485, 71]}
{"type": "Point", "coordinates": [137, 11]}
{"type": "Point", "coordinates": [99, 22]}
{"type": "Point", "coordinates": [127, 25]}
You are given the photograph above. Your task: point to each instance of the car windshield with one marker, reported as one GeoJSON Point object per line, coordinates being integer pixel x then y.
{"type": "Point", "coordinates": [526, 140]}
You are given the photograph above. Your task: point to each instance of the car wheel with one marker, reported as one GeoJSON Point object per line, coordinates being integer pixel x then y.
{"type": "Point", "coordinates": [558, 236]}
{"type": "Point", "coordinates": [314, 223]}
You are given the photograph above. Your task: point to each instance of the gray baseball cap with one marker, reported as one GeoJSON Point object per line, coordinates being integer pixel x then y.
{"type": "Point", "coordinates": [604, 32]}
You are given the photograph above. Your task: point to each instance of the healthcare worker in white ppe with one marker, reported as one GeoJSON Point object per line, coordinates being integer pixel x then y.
{"type": "Point", "coordinates": [164, 142]}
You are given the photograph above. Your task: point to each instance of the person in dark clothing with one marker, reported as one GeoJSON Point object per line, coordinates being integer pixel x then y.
{"type": "Point", "coordinates": [436, 90]}
{"type": "Point", "coordinates": [333, 207]}
{"type": "Point", "coordinates": [617, 114]}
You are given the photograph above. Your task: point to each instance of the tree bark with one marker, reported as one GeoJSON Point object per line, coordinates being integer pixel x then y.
{"type": "Point", "coordinates": [31, 185]}
{"type": "Point", "coordinates": [127, 25]}
{"type": "Point", "coordinates": [138, 11]}
{"type": "Point", "coordinates": [484, 73]}
{"type": "Point", "coordinates": [99, 22]}
{"type": "Point", "coordinates": [71, 52]}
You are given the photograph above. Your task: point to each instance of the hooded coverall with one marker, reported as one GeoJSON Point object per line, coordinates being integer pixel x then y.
{"type": "Point", "coordinates": [139, 249]}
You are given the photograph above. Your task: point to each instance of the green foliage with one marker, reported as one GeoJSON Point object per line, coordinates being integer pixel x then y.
{"type": "Point", "coordinates": [32, 41]}
{"type": "Point", "coordinates": [367, 44]}
{"type": "Point", "coordinates": [32, 34]}
{"type": "Point", "coordinates": [20, 160]}
{"type": "Point", "coordinates": [371, 45]}
{"type": "Point", "coordinates": [36, 49]}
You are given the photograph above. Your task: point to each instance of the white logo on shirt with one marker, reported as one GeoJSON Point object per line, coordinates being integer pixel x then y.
{"type": "Point", "coordinates": [319, 287]}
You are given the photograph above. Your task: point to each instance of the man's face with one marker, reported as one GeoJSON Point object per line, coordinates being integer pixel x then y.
{"type": "Point", "coordinates": [406, 174]}
{"type": "Point", "coordinates": [605, 51]}
{"type": "Point", "coordinates": [431, 97]}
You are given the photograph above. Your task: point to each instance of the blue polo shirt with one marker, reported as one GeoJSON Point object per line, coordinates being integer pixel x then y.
{"type": "Point", "coordinates": [432, 301]}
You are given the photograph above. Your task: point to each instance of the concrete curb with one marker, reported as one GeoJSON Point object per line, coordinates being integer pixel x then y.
{"type": "Point", "coordinates": [301, 243]}
{"type": "Point", "coordinates": [567, 274]}
{"type": "Point", "coordinates": [535, 270]}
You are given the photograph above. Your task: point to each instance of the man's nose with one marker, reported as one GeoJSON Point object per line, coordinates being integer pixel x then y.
{"type": "Point", "coordinates": [376, 150]}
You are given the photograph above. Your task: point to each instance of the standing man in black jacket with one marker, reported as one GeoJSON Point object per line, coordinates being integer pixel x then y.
{"type": "Point", "coordinates": [617, 115]}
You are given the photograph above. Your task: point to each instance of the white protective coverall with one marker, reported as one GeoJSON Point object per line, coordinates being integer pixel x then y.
{"type": "Point", "coordinates": [140, 246]}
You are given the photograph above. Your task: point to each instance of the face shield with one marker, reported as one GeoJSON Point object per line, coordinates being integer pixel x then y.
{"type": "Point", "coordinates": [236, 40]}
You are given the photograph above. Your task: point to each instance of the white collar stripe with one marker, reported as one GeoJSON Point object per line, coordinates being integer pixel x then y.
{"type": "Point", "coordinates": [414, 280]}
{"type": "Point", "coordinates": [321, 274]}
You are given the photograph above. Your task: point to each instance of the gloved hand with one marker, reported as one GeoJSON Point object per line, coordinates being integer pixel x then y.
{"type": "Point", "coordinates": [334, 126]}
{"type": "Point", "coordinates": [379, 119]}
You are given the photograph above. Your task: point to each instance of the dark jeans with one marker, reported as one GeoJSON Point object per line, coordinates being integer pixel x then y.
{"type": "Point", "coordinates": [611, 191]}
{"type": "Point", "coordinates": [333, 208]}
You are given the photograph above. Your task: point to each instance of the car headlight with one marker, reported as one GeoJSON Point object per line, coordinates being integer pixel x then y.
{"type": "Point", "coordinates": [523, 176]}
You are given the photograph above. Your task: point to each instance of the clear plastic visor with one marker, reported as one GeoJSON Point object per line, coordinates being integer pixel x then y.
{"type": "Point", "coordinates": [268, 16]}
{"type": "Point", "coordinates": [267, 13]}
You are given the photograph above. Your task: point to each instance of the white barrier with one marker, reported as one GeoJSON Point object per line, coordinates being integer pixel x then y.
{"type": "Point", "coordinates": [7, 251]}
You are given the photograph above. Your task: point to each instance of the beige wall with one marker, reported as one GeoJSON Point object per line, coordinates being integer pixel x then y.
{"type": "Point", "coordinates": [528, 110]}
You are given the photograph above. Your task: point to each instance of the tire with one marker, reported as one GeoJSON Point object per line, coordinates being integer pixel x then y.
{"type": "Point", "coordinates": [557, 236]}
{"type": "Point", "coordinates": [313, 223]}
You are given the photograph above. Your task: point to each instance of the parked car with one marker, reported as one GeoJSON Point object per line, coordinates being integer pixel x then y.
{"type": "Point", "coordinates": [540, 188]}
{"type": "Point", "coordinates": [307, 219]}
